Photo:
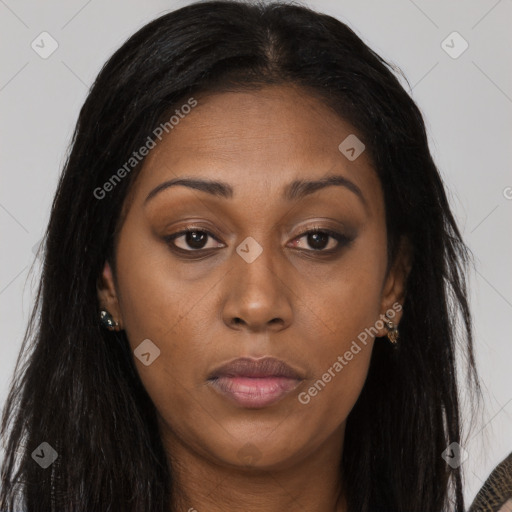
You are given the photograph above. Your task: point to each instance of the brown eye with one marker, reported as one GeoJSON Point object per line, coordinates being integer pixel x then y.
{"type": "Point", "coordinates": [322, 240]}
{"type": "Point", "coordinates": [190, 240]}
{"type": "Point", "coordinates": [318, 241]}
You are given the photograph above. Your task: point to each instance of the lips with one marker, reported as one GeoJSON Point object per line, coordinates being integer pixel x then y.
{"type": "Point", "coordinates": [255, 383]}
{"type": "Point", "coordinates": [247, 367]}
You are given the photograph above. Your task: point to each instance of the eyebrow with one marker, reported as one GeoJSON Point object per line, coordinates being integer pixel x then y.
{"type": "Point", "coordinates": [295, 190]}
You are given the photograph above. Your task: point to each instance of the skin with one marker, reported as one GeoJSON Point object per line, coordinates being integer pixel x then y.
{"type": "Point", "coordinates": [291, 302]}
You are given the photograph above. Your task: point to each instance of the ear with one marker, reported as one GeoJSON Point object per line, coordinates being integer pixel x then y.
{"type": "Point", "coordinates": [395, 284]}
{"type": "Point", "coordinates": [107, 294]}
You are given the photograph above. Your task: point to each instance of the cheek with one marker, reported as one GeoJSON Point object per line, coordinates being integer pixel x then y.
{"type": "Point", "coordinates": [347, 300]}
{"type": "Point", "coordinates": [340, 358]}
{"type": "Point", "coordinates": [157, 304]}
{"type": "Point", "coordinates": [346, 317]}
{"type": "Point", "coordinates": [325, 403]}
{"type": "Point", "coordinates": [154, 297]}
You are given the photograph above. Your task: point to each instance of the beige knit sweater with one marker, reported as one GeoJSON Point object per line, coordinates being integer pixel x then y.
{"type": "Point", "coordinates": [496, 493]}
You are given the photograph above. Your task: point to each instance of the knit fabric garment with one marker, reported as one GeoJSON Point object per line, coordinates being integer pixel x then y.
{"type": "Point", "coordinates": [496, 493]}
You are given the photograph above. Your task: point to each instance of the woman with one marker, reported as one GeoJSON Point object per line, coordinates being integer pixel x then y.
{"type": "Point", "coordinates": [251, 283]}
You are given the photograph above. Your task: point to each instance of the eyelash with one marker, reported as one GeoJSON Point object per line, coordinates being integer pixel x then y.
{"type": "Point", "coordinates": [342, 240]}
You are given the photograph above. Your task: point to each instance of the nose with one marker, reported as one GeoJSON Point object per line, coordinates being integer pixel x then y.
{"type": "Point", "coordinates": [258, 296]}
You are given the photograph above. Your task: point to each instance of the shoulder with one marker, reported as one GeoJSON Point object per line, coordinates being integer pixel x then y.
{"type": "Point", "coordinates": [496, 493]}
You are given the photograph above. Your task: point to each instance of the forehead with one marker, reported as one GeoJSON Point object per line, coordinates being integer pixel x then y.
{"type": "Point", "coordinates": [257, 141]}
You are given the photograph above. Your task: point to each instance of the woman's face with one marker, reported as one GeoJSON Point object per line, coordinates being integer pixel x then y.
{"type": "Point", "coordinates": [249, 282]}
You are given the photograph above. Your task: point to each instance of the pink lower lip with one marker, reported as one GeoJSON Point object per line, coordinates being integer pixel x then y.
{"type": "Point", "coordinates": [254, 392]}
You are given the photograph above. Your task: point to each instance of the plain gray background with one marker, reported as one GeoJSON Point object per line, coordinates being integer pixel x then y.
{"type": "Point", "coordinates": [466, 101]}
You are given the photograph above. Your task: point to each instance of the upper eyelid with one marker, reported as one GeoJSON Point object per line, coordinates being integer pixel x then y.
{"type": "Point", "coordinates": [302, 233]}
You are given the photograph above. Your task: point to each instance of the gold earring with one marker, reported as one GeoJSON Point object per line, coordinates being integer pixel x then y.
{"type": "Point", "coordinates": [108, 321]}
{"type": "Point", "coordinates": [392, 331]}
